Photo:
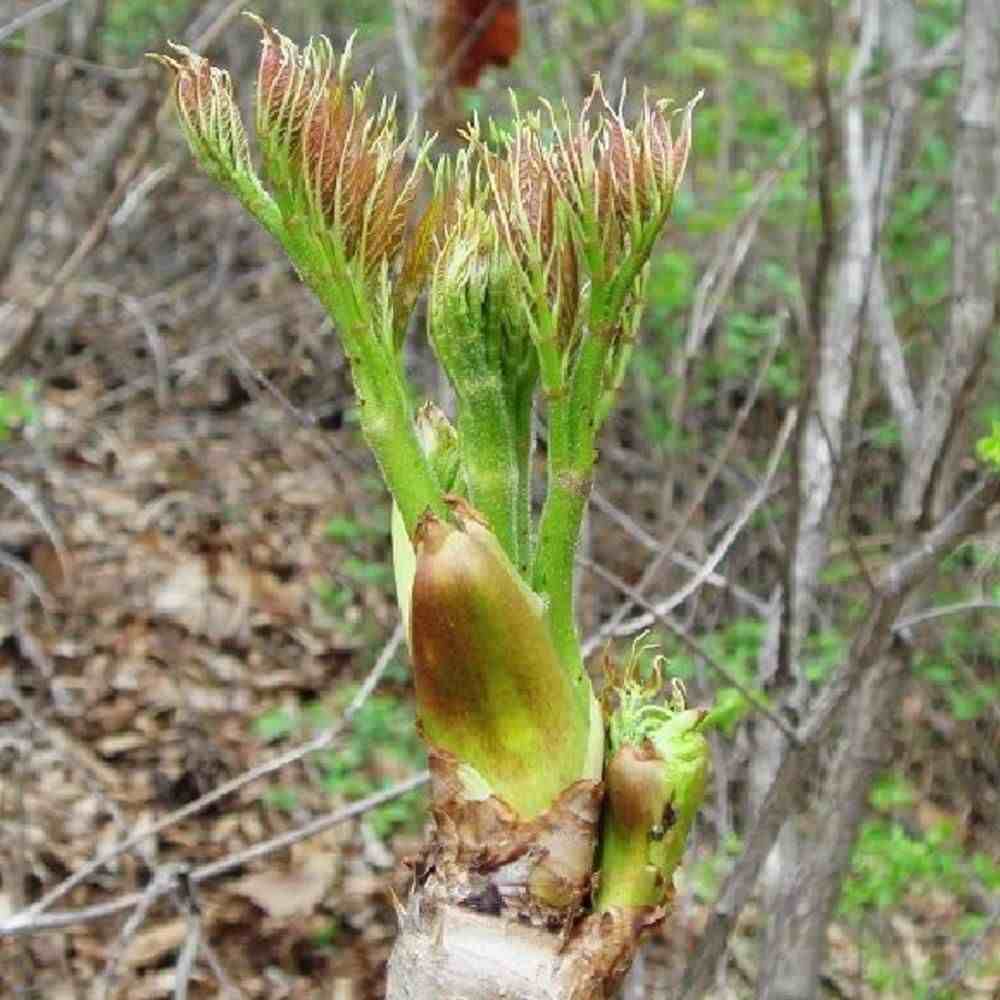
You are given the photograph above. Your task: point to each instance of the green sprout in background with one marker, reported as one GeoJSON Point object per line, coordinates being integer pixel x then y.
{"type": "Point", "coordinates": [988, 447]}
{"type": "Point", "coordinates": [18, 409]}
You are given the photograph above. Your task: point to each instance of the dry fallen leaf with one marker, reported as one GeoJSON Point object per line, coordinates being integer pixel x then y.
{"type": "Point", "coordinates": [298, 890]}
{"type": "Point", "coordinates": [152, 943]}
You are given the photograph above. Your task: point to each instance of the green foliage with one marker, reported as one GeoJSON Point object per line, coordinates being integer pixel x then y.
{"type": "Point", "coordinates": [18, 409]}
{"type": "Point", "coordinates": [822, 652]}
{"type": "Point", "coordinates": [737, 646]}
{"type": "Point", "coordinates": [346, 529]}
{"type": "Point", "coordinates": [892, 864]}
{"type": "Point", "coordinates": [384, 727]}
{"type": "Point", "coordinates": [730, 707]}
{"type": "Point", "coordinates": [936, 19]}
{"type": "Point", "coordinates": [988, 447]}
{"type": "Point", "coordinates": [891, 792]}
{"type": "Point", "coordinates": [968, 698]}
{"type": "Point", "coordinates": [371, 574]}
{"type": "Point", "coordinates": [133, 26]}
{"type": "Point", "coordinates": [889, 862]}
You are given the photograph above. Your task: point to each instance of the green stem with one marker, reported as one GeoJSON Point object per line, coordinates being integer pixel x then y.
{"type": "Point", "coordinates": [387, 423]}
{"type": "Point", "coordinates": [558, 534]}
{"type": "Point", "coordinates": [489, 458]}
{"type": "Point", "coordinates": [522, 409]}
{"type": "Point", "coordinates": [576, 413]}
{"type": "Point", "coordinates": [627, 877]}
{"type": "Point", "coordinates": [586, 389]}
{"type": "Point", "coordinates": [572, 433]}
{"type": "Point", "coordinates": [386, 412]}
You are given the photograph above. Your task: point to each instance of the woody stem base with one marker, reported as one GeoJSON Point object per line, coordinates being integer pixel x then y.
{"type": "Point", "coordinates": [446, 951]}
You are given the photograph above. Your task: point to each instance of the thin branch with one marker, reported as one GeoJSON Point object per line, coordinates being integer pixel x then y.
{"type": "Point", "coordinates": [30, 577]}
{"type": "Point", "coordinates": [228, 987]}
{"type": "Point", "coordinates": [27, 498]}
{"type": "Point", "coordinates": [964, 520]}
{"type": "Point", "coordinates": [753, 502]}
{"type": "Point", "coordinates": [969, 952]}
{"type": "Point", "coordinates": [157, 349]}
{"type": "Point", "coordinates": [408, 57]}
{"type": "Point", "coordinates": [161, 883]}
{"type": "Point", "coordinates": [318, 825]}
{"type": "Point", "coordinates": [23, 340]}
{"type": "Point", "coordinates": [99, 69]}
{"type": "Point", "coordinates": [685, 562]}
{"type": "Point", "coordinates": [615, 74]}
{"type": "Point", "coordinates": [188, 905]}
{"type": "Point", "coordinates": [959, 361]}
{"type": "Point", "coordinates": [932, 614]}
{"type": "Point", "coordinates": [611, 627]}
{"type": "Point", "coordinates": [892, 368]}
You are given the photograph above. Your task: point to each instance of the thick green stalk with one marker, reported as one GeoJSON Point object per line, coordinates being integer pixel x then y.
{"type": "Point", "coordinates": [627, 877]}
{"type": "Point", "coordinates": [572, 393]}
{"type": "Point", "coordinates": [489, 457]}
{"type": "Point", "coordinates": [571, 456]}
{"type": "Point", "coordinates": [387, 423]}
{"type": "Point", "coordinates": [521, 412]}
{"type": "Point", "coordinates": [558, 535]}
{"type": "Point", "coordinates": [386, 412]}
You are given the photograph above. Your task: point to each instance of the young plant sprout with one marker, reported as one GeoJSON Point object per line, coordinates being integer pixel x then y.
{"type": "Point", "coordinates": [533, 250]}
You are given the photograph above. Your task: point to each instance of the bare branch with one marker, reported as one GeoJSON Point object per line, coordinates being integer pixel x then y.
{"type": "Point", "coordinates": [932, 614]}
{"type": "Point", "coordinates": [20, 568]}
{"type": "Point", "coordinates": [692, 645]}
{"type": "Point", "coordinates": [758, 496]}
{"type": "Point", "coordinates": [408, 57]}
{"type": "Point", "coordinates": [615, 73]}
{"type": "Point", "coordinates": [188, 905]}
{"type": "Point", "coordinates": [892, 369]}
{"type": "Point", "coordinates": [26, 497]}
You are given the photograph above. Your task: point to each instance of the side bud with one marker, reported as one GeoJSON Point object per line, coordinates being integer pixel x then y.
{"type": "Point", "coordinates": [655, 781]}
{"type": "Point", "coordinates": [489, 685]}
